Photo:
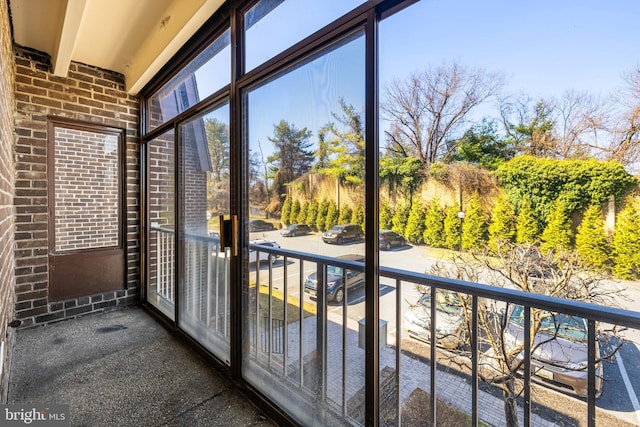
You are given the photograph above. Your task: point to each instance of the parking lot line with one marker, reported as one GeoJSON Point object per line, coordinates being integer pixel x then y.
{"type": "Point", "coordinates": [630, 390]}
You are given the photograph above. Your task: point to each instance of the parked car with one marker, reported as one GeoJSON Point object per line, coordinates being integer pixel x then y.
{"type": "Point", "coordinates": [450, 326]}
{"type": "Point", "coordinates": [264, 256]}
{"type": "Point", "coordinates": [260, 225]}
{"type": "Point", "coordinates": [559, 356]}
{"type": "Point", "coordinates": [335, 280]}
{"type": "Point", "coordinates": [343, 233]}
{"type": "Point", "coordinates": [389, 239]}
{"type": "Point", "coordinates": [295, 230]}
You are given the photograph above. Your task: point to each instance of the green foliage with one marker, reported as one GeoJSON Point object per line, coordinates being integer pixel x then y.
{"type": "Point", "coordinates": [578, 183]}
{"type": "Point", "coordinates": [302, 215]}
{"type": "Point", "coordinates": [404, 173]}
{"type": "Point", "coordinates": [292, 155]}
{"type": "Point", "coordinates": [342, 146]}
{"type": "Point", "coordinates": [345, 214]}
{"type": "Point", "coordinates": [474, 225]}
{"type": "Point", "coordinates": [295, 211]}
{"type": "Point", "coordinates": [503, 223]}
{"type": "Point", "coordinates": [526, 224]}
{"type": "Point", "coordinates": [415, 223]}
{"type": "Point", "coordinates": [481, 146]}
{"type": "Point", "coordinates": [357, 216]}
{"type": "Point", "coordinates": [312, 213]}
{"type": "Point", "coordinates": [286, 211]}
{"type": "Point", "coordinates": [332, 215]}
{"type": "Point", "coordinates": [626, 241]}
{"type": "Point", "coordinates": [591, 239]}
{"type": "Point", "coordinates": [451, 227]}
{"type": "Point", "coordinates": [434, 224]}
{"type": "Point", "coordinates": [557, 234]}
{"type": "Point", "coordinates": [399, 221]}
{"type": "Point", "coordinates": [321, 218]}
{"type": "Point", "coordinates": [386, 217]}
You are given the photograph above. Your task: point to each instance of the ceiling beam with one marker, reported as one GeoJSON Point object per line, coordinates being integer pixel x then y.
{"type": "Point", "coordinates": [63, 51]}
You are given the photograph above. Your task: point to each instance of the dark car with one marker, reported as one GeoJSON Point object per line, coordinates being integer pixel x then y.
{"type": "Point", "coordinates": [560, 351]}
{"type": "Point", "coordinates": [389, 239]}
{"type": "Point", "coordinates": [260, 225]}
{"type": "Point", "coordinates": [343, 233]}
{"type": "Point", "coordinates": [335, 280]}
{"type": "Point", "coordinates": [295, 230]}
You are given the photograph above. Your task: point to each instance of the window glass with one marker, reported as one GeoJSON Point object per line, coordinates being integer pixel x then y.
{"type": "Point", "coordinates": [272, 26]}
{"type": "Point", "coordinates": [209, 72]}
{"type": "Point", "coordinates": [87, 189]}
{"type": "Point", "coordinates": [305, 137]}
{"type": "Point", "coordinates": [162, 217]}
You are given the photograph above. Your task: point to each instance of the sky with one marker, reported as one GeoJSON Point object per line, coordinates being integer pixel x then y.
{"type": "Point", "coordinates": [542, 47]}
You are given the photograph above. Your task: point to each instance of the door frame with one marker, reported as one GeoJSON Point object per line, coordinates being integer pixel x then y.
{"type": "Point", "coordinates": [82, 272]}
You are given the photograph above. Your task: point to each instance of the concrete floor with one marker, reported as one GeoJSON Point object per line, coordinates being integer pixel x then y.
{"type": "Point", "coordinates": [122, 368]}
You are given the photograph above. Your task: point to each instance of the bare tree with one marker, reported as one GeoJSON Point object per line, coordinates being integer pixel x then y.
{"type": "Point", "coordinates": [580, 117]}
{"type": "Point", "coordinates": [626, 133]}
{"type": "Point", "coordinates": [427, 109]}
{"type": "Point", "coordinates": [501, 337]}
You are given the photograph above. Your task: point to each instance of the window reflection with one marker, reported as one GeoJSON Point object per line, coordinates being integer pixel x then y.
{"type": "Point", "coordinates": [209, 72]}
{"type": "Point", "coordinates": [266, 35]}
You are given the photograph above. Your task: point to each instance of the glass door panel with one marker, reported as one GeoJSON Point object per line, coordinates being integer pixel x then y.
{"type": "Point", "coordinates": [205, 196]}
{"type": "Point", "coordinates": [305, 143]}
{"type": "Point", "coordinates": [162, 218]}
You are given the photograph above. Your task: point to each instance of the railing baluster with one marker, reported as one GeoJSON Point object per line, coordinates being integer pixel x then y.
{"type": "Point", "coordinates": [398, 349]}
{"type": "Point", "coordinates": [285, 332]}
{"type": "Point", "coordinates": [591, 372]}
{"type": "Point", "coordinates": [474, 360]}
{"type": "Point", "coordinates": [301, 349]}
{"type": "Point", "coordinates": [527, 366]}
{"type": "Point", "coordinates": [433, 356]}
{"type": "Point", "coordinates": [344, 342]}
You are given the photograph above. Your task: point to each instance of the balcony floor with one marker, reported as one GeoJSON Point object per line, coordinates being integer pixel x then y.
{"type": "Point", "coordinates": [122, 368]}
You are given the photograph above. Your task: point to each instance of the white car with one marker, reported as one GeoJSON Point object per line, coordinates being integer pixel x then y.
{"type": "Point", "coordinates": [264, 256]}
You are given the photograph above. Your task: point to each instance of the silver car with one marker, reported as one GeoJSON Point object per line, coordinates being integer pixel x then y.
{"type": "Point", "coordinates": [450, 325]}
{"type": "Point", "coordinates": [559, 356]}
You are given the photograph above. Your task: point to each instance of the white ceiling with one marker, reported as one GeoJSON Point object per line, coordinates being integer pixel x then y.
{"type": "Point", "coordinates": [133, 37]}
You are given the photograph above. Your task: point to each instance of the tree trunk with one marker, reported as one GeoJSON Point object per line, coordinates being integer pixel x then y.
{"type": "Point", "coordinates": [510, 403]}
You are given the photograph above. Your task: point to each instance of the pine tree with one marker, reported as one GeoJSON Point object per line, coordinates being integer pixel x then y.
{"type": "Point", "coordinates": [386, 217]}
{"type": "Point", "coordinates": [295, 210]}
{"type": "Point", "coordinates": [358, 217]}
{"type": "Point", "coordinates": [321, 218]}
{"type": "Point", "coordinates": [345, 214]}
{"type": "Point", "coordinates": [302, 215]}
{"type": "Point", "coordinates": [399, 221]}
{"type": "Point", "coordinates": [332, 215]}
{"type": "Point", "coordinates": [312, 213]}
{"type": "Point", "coordinates": [415, 223]}
{"type": "Point", "coordinates": [434, 224]}
{"type": "Point", "coordinates": [474, 225]}
{"type": "Point", "coordinates": [526, 224]}
{"type": "Point", "coordinates": [286, 211]}
{"type": "Point", "coordinates": [503, 223]}
{"type": "Point", "coordinates": [626, 241]}
{"type": "Point", "coordinates": [451, 227]}
{"type": "Point", "coordinates": [557, 234]}
{"type": "Point", "coordinates": [591, 240]}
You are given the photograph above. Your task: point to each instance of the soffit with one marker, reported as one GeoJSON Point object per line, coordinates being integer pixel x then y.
{"type": "Point", "coordinates": [133, 37]}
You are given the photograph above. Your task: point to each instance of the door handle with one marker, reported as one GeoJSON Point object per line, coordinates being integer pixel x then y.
{"type": "Point", "coordinates": [229, 234]}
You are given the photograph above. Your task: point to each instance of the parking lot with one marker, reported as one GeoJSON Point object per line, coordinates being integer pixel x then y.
{"type": "Point", "coordinates": [622, 375]}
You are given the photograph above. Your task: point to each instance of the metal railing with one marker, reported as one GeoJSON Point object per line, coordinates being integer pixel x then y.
{"type": "Point", "coordinates": [305, 352]}
{"type": "Point", "coordinates": [402, 279]}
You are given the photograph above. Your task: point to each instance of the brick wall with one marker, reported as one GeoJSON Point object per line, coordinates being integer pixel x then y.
{"type": "Point", "coordinates": [7, 213]}
{"type": "Point", "coordinates": [91, 95]}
